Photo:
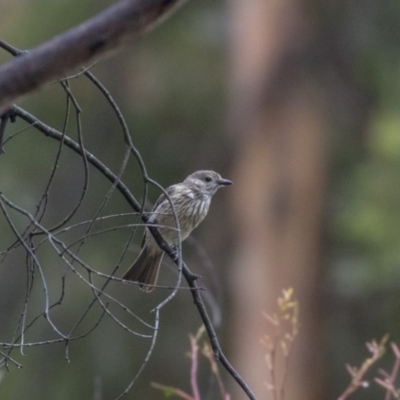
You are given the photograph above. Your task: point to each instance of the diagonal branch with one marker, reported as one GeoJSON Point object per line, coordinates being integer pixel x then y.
{"type": "Point", "coordinates": [124, 21]}
{"type": "Point", "coordinates": [189, 276]}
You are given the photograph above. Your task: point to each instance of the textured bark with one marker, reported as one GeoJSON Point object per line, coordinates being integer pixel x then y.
{"type": "Point", "coordinates": [124, 21]}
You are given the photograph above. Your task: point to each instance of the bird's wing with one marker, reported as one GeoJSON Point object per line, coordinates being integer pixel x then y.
{"type": "Point", "coordinates": [163, 198]}
{"type": "Point", "coordinates": [159, 201]}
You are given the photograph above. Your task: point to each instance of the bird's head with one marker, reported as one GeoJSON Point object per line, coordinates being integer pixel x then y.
{"type": "Point", "coordinates": [206, 182]}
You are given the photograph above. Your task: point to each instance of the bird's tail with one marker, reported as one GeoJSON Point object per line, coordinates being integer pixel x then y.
{"type": "Point", "coordinates": [145, 269]}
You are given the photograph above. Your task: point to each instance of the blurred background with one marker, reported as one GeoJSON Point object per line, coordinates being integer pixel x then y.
{"type": "Point", "coordinates": [298, 103]}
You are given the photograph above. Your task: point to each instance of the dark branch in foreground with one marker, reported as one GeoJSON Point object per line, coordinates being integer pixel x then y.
{"type": "Point", "coordinates": [189, 276]}
{"type": "Point", "coordinates": [124, 21]}
{"type": "Point", "coordinates": [4, 118]}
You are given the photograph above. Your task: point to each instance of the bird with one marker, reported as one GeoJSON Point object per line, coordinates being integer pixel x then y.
{"type": "Point", "coordinates": [191, 200]}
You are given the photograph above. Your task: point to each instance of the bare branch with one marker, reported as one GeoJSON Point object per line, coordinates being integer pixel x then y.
{"type": "Point", "coordinates": [146, 16]}
{"type": "Point", "coordinates": [189, 276]}
{"type": "Point", "coordinates": [124, 21]}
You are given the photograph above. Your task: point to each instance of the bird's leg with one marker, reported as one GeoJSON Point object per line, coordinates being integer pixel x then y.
{"type": "Point", "coordinates": [175, 253]}
{"type": "Point", "coordinates": [175, 257]}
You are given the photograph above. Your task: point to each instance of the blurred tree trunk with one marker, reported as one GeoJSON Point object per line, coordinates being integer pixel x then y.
{"type": "Point", "coordinates": [278, 124]}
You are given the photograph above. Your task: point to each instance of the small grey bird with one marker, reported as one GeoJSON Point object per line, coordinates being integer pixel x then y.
{"type": "Point", "coordinates": [191, 200]}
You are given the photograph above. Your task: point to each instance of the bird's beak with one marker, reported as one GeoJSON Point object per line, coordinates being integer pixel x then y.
{"type": "Point", "coordinates": [224, 182]}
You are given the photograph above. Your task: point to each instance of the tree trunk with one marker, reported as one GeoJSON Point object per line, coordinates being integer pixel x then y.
{"type": "Point", "coordinates": [278, 124]}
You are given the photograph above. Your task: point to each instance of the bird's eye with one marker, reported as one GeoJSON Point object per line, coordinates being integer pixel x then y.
{"type": "Point", "coordinates": [208, 179]}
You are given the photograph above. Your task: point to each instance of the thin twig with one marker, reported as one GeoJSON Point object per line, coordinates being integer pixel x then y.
{"type": "Point", "coordinates": [194, 355]}
{"type": "Point", "coordinates": [189, 276]}
{"type": "Point", "coordinates": [377, 350]}
{"type": "Point", "coordinates": [388, 381]}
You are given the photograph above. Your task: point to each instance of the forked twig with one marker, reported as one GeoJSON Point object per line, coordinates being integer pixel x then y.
{"type": "Point", "coordinates": [388, 379]}
{"type": "Point", "coordinates": [377, 349]}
